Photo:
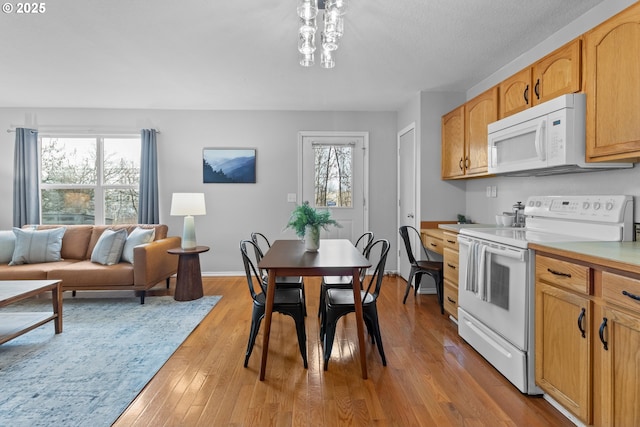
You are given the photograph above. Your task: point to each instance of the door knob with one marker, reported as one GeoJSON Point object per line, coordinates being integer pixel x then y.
{"type": "Point", "coordinates": [409, 215]}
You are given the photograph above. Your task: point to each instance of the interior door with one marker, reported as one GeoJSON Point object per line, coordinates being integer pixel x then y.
{"type": "Point", "coordinates": [407, 179]}
{"type": "Point", "coordinates": [333, 169]}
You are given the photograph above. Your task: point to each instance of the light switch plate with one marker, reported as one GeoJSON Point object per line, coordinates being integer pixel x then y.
{"type": "Point", "coordinates": [291, 197]}
{"type": "Point", "coordinates": [488, 191]}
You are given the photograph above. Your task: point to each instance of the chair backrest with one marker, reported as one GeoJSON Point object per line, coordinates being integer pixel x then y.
{"type": "Point", "coordinates": [364, 241]}
{"type": "Point", "coordinates": [377, 253]}
{"type": "Point", "coordinates": [405, 232]}
{"type": "Point", "coordinates": [248, 249]}
{"type": "Point", "coordinates": [261, 246]}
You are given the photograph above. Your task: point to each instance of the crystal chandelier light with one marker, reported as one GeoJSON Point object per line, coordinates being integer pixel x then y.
{"type": "Point", "coordinates": [333, 21]}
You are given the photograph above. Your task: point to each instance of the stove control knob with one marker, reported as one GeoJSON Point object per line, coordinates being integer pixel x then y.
{"type": "Point", "coordinates": [596, 205]}
{"type": "Point", "coordinates": [609, 206]}
{"type": "Point", "coordinates": [538, 204]}
{"type": "Point", "coordinates": [585, 205]}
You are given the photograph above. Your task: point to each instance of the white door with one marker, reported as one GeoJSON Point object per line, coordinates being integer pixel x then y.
{"type": "Point", "coordinates": [334, 175]}
{"type": "Point", "coordinates": [407, 179]}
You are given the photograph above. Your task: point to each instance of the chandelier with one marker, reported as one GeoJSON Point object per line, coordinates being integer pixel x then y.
{"type": "Point", "coordinates": [333, 19]}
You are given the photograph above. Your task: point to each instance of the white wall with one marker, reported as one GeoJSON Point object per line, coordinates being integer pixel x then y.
{"type": "Point", "coordinates": [513, 189]}
{"type": "Point", "coordinates": [233, 210]}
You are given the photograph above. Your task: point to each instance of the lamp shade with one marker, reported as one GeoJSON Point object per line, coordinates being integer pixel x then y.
{"type": "Point", "coordinates": [188, 204]}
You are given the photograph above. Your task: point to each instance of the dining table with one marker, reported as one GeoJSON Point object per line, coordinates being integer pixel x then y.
{"type": "Point", "coordinates": [335, 257]}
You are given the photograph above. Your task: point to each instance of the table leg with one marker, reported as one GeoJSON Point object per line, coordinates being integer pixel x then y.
{"type": "Point", "coordinates": [56, 300]}
{"type": "Point", "coordinates": [271, 292]}
{"type": "Point", "coordinates": [359, 321]}
{"type": "Point", "coordinates": [189, 278]}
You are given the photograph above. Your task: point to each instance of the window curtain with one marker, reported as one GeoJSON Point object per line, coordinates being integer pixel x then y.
{"type": "Point", "coordinates": [26, 178]}
{"type": "Point", "coordinates": [148, 210]}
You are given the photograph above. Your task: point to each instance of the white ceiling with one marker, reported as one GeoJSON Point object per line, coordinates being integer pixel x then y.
{"type": "Point", "coordinates": [242, 54]}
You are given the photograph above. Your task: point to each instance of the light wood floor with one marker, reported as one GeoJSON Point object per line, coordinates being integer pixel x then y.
{"type": "Point", "coordinates": [432, 377]}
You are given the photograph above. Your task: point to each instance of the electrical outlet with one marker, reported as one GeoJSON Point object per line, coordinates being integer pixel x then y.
{"type": "Point", "coordinates": [494, 191]}
{"type": "Point", "coordinates": [291, 197]}
{"type": "Point", "coordinates": [488, 191]}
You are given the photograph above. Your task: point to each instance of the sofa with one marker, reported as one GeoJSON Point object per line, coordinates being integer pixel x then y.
{"type": "Point", "coordinates": [83, 259]}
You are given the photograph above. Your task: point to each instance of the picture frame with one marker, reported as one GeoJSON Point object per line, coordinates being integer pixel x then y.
{"type": "Point", "coordinates": [229, 165]}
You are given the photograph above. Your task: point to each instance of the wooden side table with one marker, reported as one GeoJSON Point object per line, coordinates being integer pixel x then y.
{"type": "Point", "coordinates": [189, 278]}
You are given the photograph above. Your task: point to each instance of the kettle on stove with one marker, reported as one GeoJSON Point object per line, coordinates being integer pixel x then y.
{"type": "Point", "coordinates": [518, 211]}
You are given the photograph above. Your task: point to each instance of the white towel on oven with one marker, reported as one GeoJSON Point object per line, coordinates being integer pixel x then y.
{"type": "Point", "coordinates": [472, 268]}
{"type": "Point", "coordinates": [481, 273]}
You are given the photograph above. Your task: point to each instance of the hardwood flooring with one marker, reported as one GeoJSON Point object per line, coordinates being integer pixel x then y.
{"type": "Point", "coordinates": [432, 377]}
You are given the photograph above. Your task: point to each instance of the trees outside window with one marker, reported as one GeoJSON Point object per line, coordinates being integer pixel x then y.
{"type": "Point", "coordinates": [89, 180]}
{"type": "Point", "coordinates": [333, 175]}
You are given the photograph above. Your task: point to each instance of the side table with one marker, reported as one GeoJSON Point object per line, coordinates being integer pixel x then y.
{"type": "Point", "coordinates": [189, 278]}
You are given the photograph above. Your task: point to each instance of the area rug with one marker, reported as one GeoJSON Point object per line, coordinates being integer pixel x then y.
{"type": "Point", "coordinates": [87, 375]}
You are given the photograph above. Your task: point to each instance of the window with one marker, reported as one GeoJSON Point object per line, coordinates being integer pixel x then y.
{"type": "Point", "coordinates": [89, 179]}
{"type": "Point", "coordinates": [333, 175]}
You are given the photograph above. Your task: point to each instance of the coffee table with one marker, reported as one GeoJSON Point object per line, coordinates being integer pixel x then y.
{"type": "Point", "coordinates": [14, 324]}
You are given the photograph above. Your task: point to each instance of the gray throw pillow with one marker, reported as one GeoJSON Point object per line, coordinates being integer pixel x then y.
{"type": "Point", "coordinates": [108, 249]}
{"type": "Point", "coordinates": [137, 237]}
{"type": "Point", "coordinates": [7, 246]}
{"type": "Point", "coordinates": [34, 246]}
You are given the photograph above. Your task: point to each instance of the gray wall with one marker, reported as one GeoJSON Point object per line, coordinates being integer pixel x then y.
{"type": "Point", "coordinates": [233, 210]}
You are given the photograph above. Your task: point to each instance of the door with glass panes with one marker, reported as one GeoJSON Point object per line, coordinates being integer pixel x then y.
{"type": "Point", "coordinates": [333, 169]}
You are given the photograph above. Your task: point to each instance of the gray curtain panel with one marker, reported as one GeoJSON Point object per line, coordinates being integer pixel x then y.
{"type": "Point", "coordinates": [26, 178]}
{"type": "Point", "coordinates": [148, 210]}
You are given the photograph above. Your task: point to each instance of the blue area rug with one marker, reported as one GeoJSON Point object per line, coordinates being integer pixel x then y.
{"type": "Point", "coordinates": [87, 375]}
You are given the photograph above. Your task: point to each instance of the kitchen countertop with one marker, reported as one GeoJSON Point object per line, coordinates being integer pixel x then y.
{"type": "Point", "coordinates": [618, 255]}
{"type": "Point", "coordinates": [457, 227]}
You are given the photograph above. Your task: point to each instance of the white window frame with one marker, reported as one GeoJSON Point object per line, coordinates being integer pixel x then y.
{"type": "Point", "coordinates": [99, 187]}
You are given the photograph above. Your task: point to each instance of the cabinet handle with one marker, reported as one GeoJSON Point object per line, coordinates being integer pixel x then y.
{"type": "Point", "coordinates": [558, 273]}
{"type": "Point", "coordinates": [603, 325]}
{"type": "Point", "coordinates": [452, 301]}
{"type": "Point", "coordinates": [451, 241]}
{"type": "Point", "coordinates": [630, 295]}
{"type": "Point", "coordinates": [460, 164]}
{"type": "Point", "coordinates": [467, 163]}
{"type": "Point", "coordinates": [526, 95]}
{"type": "Point", "coordinates": [451, 266]}
{"type": "Point", "coordinates": [536, 89]}
{"type": "Point", "coordinates": [434, 245]}
{"type": "Point", "coordinates": [580, 320]}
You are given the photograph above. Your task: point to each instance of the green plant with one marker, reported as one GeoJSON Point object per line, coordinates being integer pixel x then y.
{"type": "Point", "coordinates": [462, 219]}
{"type": "Point", "coordinates": [304, 215]}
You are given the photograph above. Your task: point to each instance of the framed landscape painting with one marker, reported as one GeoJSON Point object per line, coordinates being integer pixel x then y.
{"type": "Point", "coordinates": [229, 165]}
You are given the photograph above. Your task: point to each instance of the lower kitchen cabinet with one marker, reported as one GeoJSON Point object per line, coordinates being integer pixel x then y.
{"type": "Point", "coordinates": [450, 260]}
{"type": "Point", "coordinates": [588, 339]}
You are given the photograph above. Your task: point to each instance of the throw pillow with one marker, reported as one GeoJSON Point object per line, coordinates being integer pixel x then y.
{"type": "Point", "coordinates": [7, 245]}
{"type": "Point", "coordinates": [108, 249]}
{"type": "Point", "coordinates": [137, 237]}
{"type": "Point", "coordinates": [34, 246]}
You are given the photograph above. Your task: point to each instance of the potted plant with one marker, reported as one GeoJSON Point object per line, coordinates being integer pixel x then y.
{"type": "Point", "coordinates": [306, 222]}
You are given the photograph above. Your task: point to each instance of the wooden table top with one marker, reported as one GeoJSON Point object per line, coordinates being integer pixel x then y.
{"type": "Point", "coordinates": [13, 290]}
{"type": "Point", "coordinates": [332, 254]}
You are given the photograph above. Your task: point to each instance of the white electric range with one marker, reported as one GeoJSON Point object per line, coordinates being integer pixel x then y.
{"type": "Point", "coordinates": [496, 274]}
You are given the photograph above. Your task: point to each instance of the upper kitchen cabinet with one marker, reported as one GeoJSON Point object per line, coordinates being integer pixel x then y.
{"type": "Point", "coordinates": [556, 74]}
{"type": "Point", "coordinates": [453, 144]}
{"type": "Point", "coordinates": [478, 113]}
{"type": "Point", "coordinates": [464, 136]}
{"type": "Point", "coordinates": [612, 63]}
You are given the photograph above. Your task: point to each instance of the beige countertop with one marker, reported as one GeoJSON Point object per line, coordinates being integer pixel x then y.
{"type": "Point", "coordinates": [618, 255]}
{"type": "Point", "coordinates": [457, 227]}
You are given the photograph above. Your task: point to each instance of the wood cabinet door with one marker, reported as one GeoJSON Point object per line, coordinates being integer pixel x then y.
{"type": "Point", "coordinates": [612, 54]}
{"type": "Point", "coordinates": [515, 93]}
{"type": "Point", "coordinates": [563, 356]}
{"type": "Point", "coordinates": [617, 368]}
{"type": "Point", "coordinates": [479, 112]}
{"type": "Point", "coordinates": [557, 73]}
{"type": "Point", "coordinates": [453, 143]}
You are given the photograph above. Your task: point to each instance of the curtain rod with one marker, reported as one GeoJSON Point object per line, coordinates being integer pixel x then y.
{"type": "Point", "coordinates": [70, 130]}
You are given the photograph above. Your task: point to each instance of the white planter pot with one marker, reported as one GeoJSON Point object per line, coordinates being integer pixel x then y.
{"type": "Point", "coordinates": [311, 238]}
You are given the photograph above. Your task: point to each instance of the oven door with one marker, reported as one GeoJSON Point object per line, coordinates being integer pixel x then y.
{"type": "Point", "coordinates": [495, 285]}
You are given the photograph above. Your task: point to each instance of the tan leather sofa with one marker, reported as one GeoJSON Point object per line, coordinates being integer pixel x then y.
{"type": "Point", "coordinates": [151, 262]}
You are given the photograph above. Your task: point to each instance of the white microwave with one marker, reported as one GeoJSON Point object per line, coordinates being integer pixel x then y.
{"type": "Point", "coordinates": [543, 140]}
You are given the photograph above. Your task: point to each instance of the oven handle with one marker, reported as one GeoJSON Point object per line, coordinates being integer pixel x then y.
{"type": "Point", "coordinates": [518, 254]}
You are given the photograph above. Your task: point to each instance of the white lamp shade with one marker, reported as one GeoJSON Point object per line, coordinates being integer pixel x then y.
{"type": "Point", "coordinates": [188, 204]}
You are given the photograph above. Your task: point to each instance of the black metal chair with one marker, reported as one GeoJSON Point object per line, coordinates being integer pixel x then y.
{"type": "Point", "coordinates": [340, 302]}
{"type": "Point", "coordinates": [287, 301]}
{"type": "Point", "coordinates": [344, 282]}
{"type": "Point", "coordinates": [419, 267]}
{"type": "Point", "coordinates": [262, 245]}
